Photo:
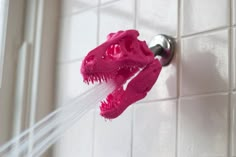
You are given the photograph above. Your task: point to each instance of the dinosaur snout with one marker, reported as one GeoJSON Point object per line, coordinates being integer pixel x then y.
{"type": "Point", "coordinates": [88, 64]}
{"type": "Point", "coordinates": [89, 59]}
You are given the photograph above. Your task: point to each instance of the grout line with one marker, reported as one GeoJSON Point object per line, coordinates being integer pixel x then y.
{"type": "Point", "coordinates": [133, 107]}
{"type": "Point", "coordinates": [230, 75]}
{"type": "Point", "coordinates": [205, 32]}
{"type": "Point", "coordinates": [70, 61]}
{"type": "Point", "coordinates": [78, 12]}
{"type": "Point", "coordinates": [90, 8]}
{"type": "Point", "coordinates": [204, 95]}
{"type": "Point", "coordinates": [179, 71]}
{"type": "Point", "coordinates": [158, 100]}
{"type": "Point", "coordinates": [230, 126]}
{"type": "Point", "coordinates": [135, 13]}
{"type": "Point", "coordinates": [230, 12]}
{"type": "Point", "coordinates": [94, 112]}
{"type": "Point", "coordinates": [93, 132]}
{"type": "Point", "coordinates": [184, 97]}
{"type": "Point", "coordinates": [132, 132]}
{"type": "Point", "coordinates": [108, 3]}
{"type": "Point", "coordinates": [98, 21]}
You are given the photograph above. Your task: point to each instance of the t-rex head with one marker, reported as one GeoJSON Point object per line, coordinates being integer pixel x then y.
{"type": "Point", "coordinates": [120, 58]}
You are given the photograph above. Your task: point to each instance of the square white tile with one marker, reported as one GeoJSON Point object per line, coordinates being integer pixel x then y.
{"type": "Point", "coordinates": [157, 17]}
{"type": "Point", "coordinates": [154, 132]}
{"type": "Point", "coordinates": [78, 35]}
{"type": "Point", "coordinates": [72, 7]}
{"type": "Point", "coordinates": [204, 63]}
{"type": "Point", "coordinates": [234, 124]}
{"type": "Point", "coordinates": [202, 15]}
{"type": "Point", "coordinates": [203, 126]}
{"type": "Point", "coordinates": [113, 138]}
{"type": "Point", "coordinates": [77, 140]}
{"type": "Point", "coordinates": [116, 16]}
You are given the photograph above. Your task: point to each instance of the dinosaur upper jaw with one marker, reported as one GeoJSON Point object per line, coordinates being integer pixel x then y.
{"type": "Point", "coordinates": [119, 74]}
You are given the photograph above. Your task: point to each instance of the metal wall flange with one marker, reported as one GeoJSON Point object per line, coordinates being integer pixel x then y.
{"type": "Point", "coordinates": [163, 48]}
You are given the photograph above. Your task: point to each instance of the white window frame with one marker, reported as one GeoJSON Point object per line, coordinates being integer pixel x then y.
{"type": "Point", "coordinates": [3, 36]}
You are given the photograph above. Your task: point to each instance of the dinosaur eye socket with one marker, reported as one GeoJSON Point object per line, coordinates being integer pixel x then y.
{"type": "Point", "coordinates": [113, 51]}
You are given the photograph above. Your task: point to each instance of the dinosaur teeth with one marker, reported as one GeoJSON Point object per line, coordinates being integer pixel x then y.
{"type": "Point", "coordinates": [92, 78]}
{"type": "Point", "coordinates": [107, 104]}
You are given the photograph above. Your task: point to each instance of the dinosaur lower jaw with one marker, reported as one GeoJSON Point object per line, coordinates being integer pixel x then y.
{"type": "Point", "coordinates": [114, 104]}
{"type": "Point", "coordinates": [117, 101]}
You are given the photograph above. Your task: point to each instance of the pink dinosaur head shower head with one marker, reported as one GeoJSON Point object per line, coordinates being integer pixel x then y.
{"type": "Point", "coordinates": [119, 58]}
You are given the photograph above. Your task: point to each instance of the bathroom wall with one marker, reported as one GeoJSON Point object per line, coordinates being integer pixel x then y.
{"type": "Point", "coordinates": [191, 110]}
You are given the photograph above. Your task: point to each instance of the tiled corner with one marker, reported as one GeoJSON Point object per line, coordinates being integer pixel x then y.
{"type": "Point", "coordinates": [154, 132]}
{"type": "Point", "coordinates": [78, 35]}
{"type": "Point", "coordinates": [166, 84]}
{"type": "Point", "coordinates": [113, 138]}
{"type": "Point", "coordinates": [78, 140]}
{"type": "Point", "coordinates": [116, 16]}
{"type": "Point", "coordinates": [234, 124]}
{"type": "Point", "coordinates": [71, 7]}
{"type": "Point", "coordinates": [157, 17]}
{"type": "Point", "coordinates": [203, 126]}
{"type": "Point", "coordinates": [202, 15]}
{"type": "Point", "coordinates": [204, 63]}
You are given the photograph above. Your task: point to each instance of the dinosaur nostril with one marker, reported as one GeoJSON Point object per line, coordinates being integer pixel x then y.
{"type": "Point", "coordinates": [89, 59]}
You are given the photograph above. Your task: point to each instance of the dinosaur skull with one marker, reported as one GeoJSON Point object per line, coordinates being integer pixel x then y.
{"type": "Point", "coordinates": [120, 58]}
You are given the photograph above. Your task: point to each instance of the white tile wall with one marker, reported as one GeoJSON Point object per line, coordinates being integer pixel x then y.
{"type": "Point", "coordinates": [234, 124]}
{"type": "Point", "coordinates": [203, 126]}
{"type": "Point", "coordinates": [154, 132]}
{"type": "Point", "coordinates": [71, 81]}
{"type": "Point", "coordinates": [204, 63]}
{"type": "Point", "coordinates": [71, 7]}
{"type": "Point", "coordinates": [202, 15]}
{"type": "Point", "coordinates": [82, 134]}
{"type": "Point", "coordinates": [116, 16]}
{"type": "Point", "coordinates": [157, 17]}
{"type": "Point", "coordinates": [186, 112]}
{"type": "Point", "coordinates": [113, 138]}
{"type": "Point", "coordinates": [78, 35]}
